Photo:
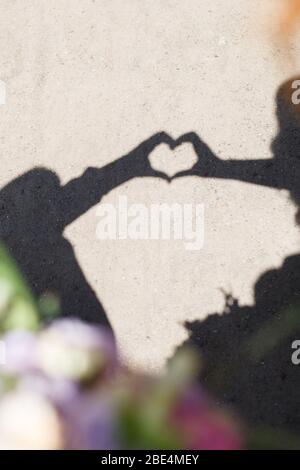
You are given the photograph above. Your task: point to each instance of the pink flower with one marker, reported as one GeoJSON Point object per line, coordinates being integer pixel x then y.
{"type": "Point", "coordinates": [204, 427]}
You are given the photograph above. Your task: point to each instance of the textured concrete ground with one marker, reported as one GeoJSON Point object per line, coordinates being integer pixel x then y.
{"type": "Point", "coordinates": [89, 80]}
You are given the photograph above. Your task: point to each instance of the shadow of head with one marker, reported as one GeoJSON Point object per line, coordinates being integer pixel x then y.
{"type": "Point", "coordinates": [286, 145]}
{"type": "Point", "coordinates": [30, 201]}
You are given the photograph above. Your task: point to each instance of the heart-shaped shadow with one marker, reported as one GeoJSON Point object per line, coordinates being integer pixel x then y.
{"type": "Point", "coordinates": [173, 161]}
{"type": "Point", "coordinates": [185, 156]}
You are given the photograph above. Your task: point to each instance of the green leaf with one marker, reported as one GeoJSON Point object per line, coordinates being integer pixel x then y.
{"type": "Point", "coordinates": [18, 308]}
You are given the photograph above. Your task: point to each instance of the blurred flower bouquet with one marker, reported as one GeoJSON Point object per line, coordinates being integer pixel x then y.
{"type": "Point", "coordinates": [63, 387]}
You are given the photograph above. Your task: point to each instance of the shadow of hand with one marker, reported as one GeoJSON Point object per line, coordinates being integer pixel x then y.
{"type": "Point", "coordinates": [207, 164]}
{"type": "Point", "coordinates": [139, 157]}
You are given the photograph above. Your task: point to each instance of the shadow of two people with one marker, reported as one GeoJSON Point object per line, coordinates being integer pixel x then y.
{"type": "Point", "coordinates": [35, 209]}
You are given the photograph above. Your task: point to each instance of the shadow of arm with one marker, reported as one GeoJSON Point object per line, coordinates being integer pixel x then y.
{"type": "Point", "coordinates": [262, 172]}
{"type": "Point", "coordinates": [273, 173]}
{"type": "Point", "coordinates": [82, 193]}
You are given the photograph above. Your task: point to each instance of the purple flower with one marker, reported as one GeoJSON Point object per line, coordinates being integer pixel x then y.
{"type": "Point", "coordinates": [20, 352]}
{"type": "Point", "coordinates": [62, 393]}
{"type": "Point", "coordinates": [91, 424]}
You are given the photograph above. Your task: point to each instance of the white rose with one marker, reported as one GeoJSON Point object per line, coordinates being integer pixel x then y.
{"type": "Point", "coordinates": [29, 422]}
